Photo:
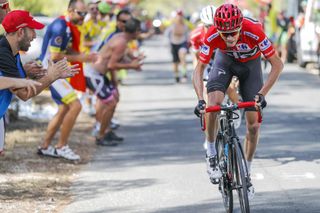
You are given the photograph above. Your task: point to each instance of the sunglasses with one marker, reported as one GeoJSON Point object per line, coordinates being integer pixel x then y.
{"type": "Point", "coordinates": [227, 34]}
{"type": "Point", "coordinates": [93, 9]}
{"type": "Point", "coordinates": [81, 13]}
{"type": "Point", "coordinates": [4, 6]}
{"type": "Point", "coordinates": [123, 21]}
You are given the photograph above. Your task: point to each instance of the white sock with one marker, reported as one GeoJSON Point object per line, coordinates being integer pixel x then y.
{"type": "Point", "coordinates": [211, 149]}
{"type": "Point", "coordinates": [249, 166]}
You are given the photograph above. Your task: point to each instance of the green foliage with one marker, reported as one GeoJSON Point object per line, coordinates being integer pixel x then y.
{"type": "Point", "coordinates": [46, 7]}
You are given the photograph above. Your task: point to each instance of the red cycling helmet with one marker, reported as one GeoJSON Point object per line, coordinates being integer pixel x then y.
{"type": "Point", "coordinates": [228, 17]}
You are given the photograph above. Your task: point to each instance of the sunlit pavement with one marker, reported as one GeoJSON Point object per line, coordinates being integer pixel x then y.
{"type": "Point", "coordinates": [160, 166]}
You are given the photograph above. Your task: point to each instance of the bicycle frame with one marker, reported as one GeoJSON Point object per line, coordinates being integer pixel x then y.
{"type": "Point", "coordinates": [231, 158]}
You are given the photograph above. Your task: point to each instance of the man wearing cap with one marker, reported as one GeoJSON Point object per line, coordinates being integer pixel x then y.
{"type": "Point", "coordinates": [62, 39]}
{"type": "Point", "coordinates": [20, 27]}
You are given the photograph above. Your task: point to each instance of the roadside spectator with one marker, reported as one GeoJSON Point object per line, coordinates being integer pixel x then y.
{"type": "Point", "coordinates": [178, 34]}
{"type": "Point", "coordinates": [57, 45]}
{"type": "Point", "coordinates": [111, 60]}
{"type": "Point", "coordinates": [20, 31]}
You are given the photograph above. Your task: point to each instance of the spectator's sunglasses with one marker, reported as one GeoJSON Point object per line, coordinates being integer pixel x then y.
{"type": "Point", "coordinates": [227, 34]}
{"type": "Point", "coordinates": [81, 13]}
{"type": "Point", "coordinates": [4, 6]}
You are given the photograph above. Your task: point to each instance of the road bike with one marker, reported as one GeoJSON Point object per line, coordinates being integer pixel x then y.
{"type": "Point", "coordinates": [230, 156]}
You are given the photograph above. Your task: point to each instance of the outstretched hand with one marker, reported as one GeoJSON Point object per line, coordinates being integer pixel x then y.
{"type": "Point", "coordinates": [62, 69]}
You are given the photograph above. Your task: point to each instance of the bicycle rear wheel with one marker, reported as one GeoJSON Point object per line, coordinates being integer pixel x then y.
{"type": "Point", "coordinates": [240, 178]}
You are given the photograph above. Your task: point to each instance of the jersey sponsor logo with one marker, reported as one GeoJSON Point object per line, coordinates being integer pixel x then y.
{"type": "Point", "coordinates": [243, 54]}
{"type": "Point", "coordinates": [265, 44]}
{"type": "Point", "coordinates": [58, 40]}
{"type": "Point", "coordinates": [251, 35]}
{"type": "Point", "coordinates": [213, 36]}
{"type": "Point", "coordinates": [205, 49]}
{"type": "Point", "coordinates": [243, 47]}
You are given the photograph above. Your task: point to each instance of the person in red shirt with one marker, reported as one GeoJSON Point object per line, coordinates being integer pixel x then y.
{"type": "Point", "coordinates": [240, 42]}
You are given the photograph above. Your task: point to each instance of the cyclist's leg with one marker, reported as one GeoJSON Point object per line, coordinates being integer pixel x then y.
{"type": "Point", "coordinates": [232, 91]}
{"type": "Point", "coordinates": [250, 84]}
{"type": "Point", "coordinates": [219, 79]}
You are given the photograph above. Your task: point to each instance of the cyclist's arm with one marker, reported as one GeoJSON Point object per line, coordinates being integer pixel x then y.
{"type": "Point", "coordinates": [276, 68]}
{"type": "Point", "coordinates": [197, 79]}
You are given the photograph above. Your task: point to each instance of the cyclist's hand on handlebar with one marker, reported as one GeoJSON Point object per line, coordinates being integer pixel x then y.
{"type": "Point", "coordinates": [199, 109]}
{"type": "Point", "coordinates": [260, 100]}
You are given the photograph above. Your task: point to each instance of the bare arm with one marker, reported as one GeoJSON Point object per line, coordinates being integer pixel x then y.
{"type": "Point", "coordinates": [276, 68]}
{"type": "Point", "coordinates": [117, 55]}
{"type": "Point", "coordinates": [6, 82]}
{"type": "Point", "coordinates": [76, 57]}
{"type": "Point", "coordinates": [197, 79]}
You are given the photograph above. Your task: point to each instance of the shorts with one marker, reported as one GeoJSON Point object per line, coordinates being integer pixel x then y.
{"type": "Point", "coordinates": [249, 75]}
{"type": "Point", "coordinates": [175, 51]}
{"type": "Point", "coordinates": [62, 92]}
{"type": "Point", "coordinates": [100, 85]}
{"type": "Point", "coordinates": [2, 134]}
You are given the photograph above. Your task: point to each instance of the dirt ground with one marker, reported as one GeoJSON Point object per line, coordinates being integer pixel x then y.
{"type": "Point", "coordinates": [33, 183]}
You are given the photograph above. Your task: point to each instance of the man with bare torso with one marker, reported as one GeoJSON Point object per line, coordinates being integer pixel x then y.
{"type": "Point", "coordinates": [112, 57]}
{"type": "Point", "coordinates": [178, 34]}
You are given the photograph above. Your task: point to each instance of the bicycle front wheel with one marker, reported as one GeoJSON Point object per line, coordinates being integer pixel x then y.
{"type": "Point", "coordinates": [240, 178]}
{"type": "Point", "coordinates": [225, 183]}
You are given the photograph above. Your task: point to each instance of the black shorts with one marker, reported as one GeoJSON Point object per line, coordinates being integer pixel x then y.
{"type": "Point", "coordinates": [175, 51]}
{"type": "Point", "coordinates": [100, 85]}
{"type": "Point", "coordinates": [249, 75]}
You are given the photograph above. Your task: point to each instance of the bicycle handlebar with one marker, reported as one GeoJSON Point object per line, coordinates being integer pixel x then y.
{"type": "Point", "coordinates": [231, 107]}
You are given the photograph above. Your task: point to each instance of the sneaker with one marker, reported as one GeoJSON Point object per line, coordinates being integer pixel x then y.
{"type": "Point", "coordinates": [213, 168]}
{"type": "Point", "coordinates": [103, 142]}
{"type": "Point", "coordinates": [111, 136]}
{"type": "Point", "coordinates": [67, 153]}
{"type": "Point", "coordinates": [50, 151]}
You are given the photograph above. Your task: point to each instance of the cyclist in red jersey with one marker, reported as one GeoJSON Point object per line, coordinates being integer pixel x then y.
{"type": "Point", "coordinates": [240, 42]}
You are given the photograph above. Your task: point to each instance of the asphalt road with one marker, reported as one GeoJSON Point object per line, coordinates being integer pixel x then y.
{"type": "Point", "coordinates": [160, 167]}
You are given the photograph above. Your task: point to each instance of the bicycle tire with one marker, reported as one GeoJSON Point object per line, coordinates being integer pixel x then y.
{"type": "Point", "coordinates": [225, 184]}
{"type": "Point", "coordinates": [240, 178]}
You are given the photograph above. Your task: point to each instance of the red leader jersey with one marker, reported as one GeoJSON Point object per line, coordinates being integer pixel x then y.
{"type": "Point", "coordinates": [252, 42]}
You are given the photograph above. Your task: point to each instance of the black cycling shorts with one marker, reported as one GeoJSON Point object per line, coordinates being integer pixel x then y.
{"type": "Point", "coordinates": [249, 75]}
